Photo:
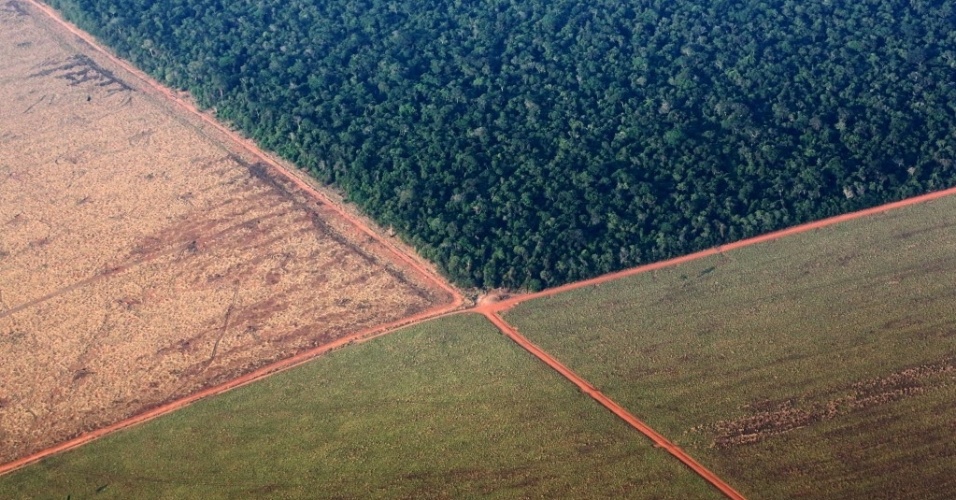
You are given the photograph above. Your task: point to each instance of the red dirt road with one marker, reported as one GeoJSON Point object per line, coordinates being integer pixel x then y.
{"type": "Point", "coordinates": [776, 235]}
{"type": "Point", "coordinates": [492, 309]}
{"type": "Point", "coordinates": [168, 94]}
{"type": "Point", "coordinates": [489, 312]}
{"type": "Point", "coordinates": [399, 255]}
{"type": "Point", "coordinates": [248, 378]}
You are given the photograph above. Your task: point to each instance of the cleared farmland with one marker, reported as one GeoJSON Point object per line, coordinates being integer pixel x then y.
{"type": "Point", "coordinates": [443, 409]}
{"type": "Point", "coordinates": [143, 258]}
{"type": "Point", "coordinates": [819, 365]}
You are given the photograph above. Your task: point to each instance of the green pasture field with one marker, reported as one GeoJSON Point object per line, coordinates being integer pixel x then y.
{"type": "Point", "coordinates": [821, 365]}
{"type": "Point", "coordinates": [449, 408]}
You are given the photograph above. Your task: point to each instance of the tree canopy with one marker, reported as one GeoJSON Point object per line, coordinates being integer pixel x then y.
{"type": "Point", "coordinates": [527, 143]}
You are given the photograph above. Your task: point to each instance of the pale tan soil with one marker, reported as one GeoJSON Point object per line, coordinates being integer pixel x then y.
{"type": "Point", "coordinates": [141, 259]}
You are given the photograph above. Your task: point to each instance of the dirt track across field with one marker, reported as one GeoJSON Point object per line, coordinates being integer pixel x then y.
{"type": "Point", "coordinates": [150, 257]}
{"type": "Point", "coordinates": [490, 309]}
{"type": "Point", "coordinates": [513, 300]}
{"type": "Point", "coordinates": [491, 306]}
{"type": "Point", "coordinates": [594, 393]}
{"type": "Point", "coordinates": [360, 223]}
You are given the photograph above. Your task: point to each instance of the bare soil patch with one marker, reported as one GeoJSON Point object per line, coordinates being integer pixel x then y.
{"type": "Point", "coordinates": [142, 258]}
{"type": "Point", "coordinates": [769, 418]}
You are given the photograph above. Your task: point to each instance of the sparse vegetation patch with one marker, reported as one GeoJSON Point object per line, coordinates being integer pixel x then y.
{"type": "Point", "coordinates": [143, 258]}
{"type": "Point", "coordinates": [818, 365]}
{"type": "Point", "coordinates": [770, 418]}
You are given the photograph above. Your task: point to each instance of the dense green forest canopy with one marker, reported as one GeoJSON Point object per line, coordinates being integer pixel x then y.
{"type": "Point", "coordinates": [526, 143]}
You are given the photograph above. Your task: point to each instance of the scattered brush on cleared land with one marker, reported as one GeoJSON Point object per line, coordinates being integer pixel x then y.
{"type": "Point", "coordinates": [443, 409]}
{"type": "Point", "coordinates": [142, 258]}
{"type": "Point", "coordinates": [819, 365]}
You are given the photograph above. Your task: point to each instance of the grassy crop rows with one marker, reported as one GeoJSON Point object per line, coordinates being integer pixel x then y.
{"type": "Point", "coordinates": [443, 409]}
{"type": "Point", "coordinates": [822, 364]}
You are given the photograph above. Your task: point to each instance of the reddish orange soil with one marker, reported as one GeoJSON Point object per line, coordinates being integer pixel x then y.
{"type": "Point", "coordinates": [511, 301]}
{"type": "Point", "coordinates": [248, 378]}
{"type": "Point", "coordinates": [151, 257]}
{"type": "Point", "coordinates": [490, 306]}
{"type": "Point", "coordinates": [493, 303]}
{"type": "Point", "coordinates": [358, 222]}
{"type": "Point", "coordinates": [490, 312]}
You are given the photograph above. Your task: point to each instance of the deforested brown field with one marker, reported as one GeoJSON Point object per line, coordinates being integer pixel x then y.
{"type": "Point", "coordinates": [143, 257]}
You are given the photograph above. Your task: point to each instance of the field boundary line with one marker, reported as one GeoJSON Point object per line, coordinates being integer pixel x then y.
{"type": "Point", "coordinates": [248, 378]}
{"type": "Point", "coordinates": [399, 255]}
{"type": "Point", "coordinates": [402, 255]}
{"type": "Point", "coordinates": [586, 387]}
{"type": "Point", "coordinates": [415, 263]}
{"type": "Point", "coordinates": [514, 300]}
{"type": "Point", "coordinates": [492, 311]}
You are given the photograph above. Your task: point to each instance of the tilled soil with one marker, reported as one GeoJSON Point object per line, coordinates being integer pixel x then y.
{"type": "Point", "coordinates": [142, 258]}
{"type": "Point", "coordinates": [769, 418]}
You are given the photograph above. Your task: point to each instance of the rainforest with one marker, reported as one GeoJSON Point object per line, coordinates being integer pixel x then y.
{"type": "Point", "coordinates": [529, 143]}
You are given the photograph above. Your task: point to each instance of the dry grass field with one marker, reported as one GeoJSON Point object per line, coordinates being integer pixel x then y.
{"type": "Point", "coordinates": [142, 259]}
